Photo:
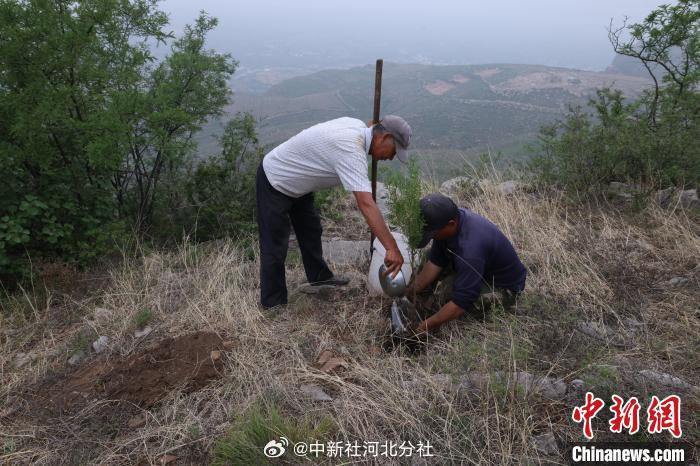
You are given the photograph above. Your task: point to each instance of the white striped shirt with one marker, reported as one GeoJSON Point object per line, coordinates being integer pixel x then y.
{"type": "Point", "coordinates": [325, 155]}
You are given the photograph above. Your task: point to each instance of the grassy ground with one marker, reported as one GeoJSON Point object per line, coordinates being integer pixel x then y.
{"type": "Point", "coordinates": [586, 264]}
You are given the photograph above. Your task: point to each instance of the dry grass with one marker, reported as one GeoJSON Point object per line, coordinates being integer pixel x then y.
{"type": "Point", "coordinates": [585, 263]}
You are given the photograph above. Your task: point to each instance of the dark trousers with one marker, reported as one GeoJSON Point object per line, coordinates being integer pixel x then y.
{"type": "Point", "coordinates": [275, 210]}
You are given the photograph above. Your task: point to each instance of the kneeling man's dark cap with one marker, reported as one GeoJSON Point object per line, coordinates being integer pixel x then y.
{"type": "Point", "coordinates": [437, 210]}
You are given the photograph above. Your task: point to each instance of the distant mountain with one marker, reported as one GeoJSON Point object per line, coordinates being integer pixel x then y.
{"type": "Point", "coordinates": [453, 109]}
{"type": "Point", "coordinates": [623, 64]}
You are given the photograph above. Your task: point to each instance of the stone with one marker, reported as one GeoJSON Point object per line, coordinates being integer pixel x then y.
{"type": "Point", "coordinates": [315, 392]}
{"type": "Point", "coordinates": [689, 199]}
{"type": "Point", "coordinates": [508, 188]}
{"type": "Point", "coordinates": [76, 358]}
{"type": "Point", "coordinates": [101, 344]}
{"type": "Point", "coordinates": [22, 359]}
{"type": "Point", "coordinates": [143, 332]}
{"type": "Point", "coordinates": [473, 381]}
{"type": "Point", "coordinates": [599, 331]}
{"type": "Point", "coordinates": [551, 388]}
{"type": "Point", "coordinates": [576, 384]}
{"type": "Point", "coordinates": [215, 355]}
{"type": "Point", "coordinates": [593, 329]}
{"type": "Point", "coordinates": [666, 380]}
{"type": "Point", "coordinates": [103, 314]}
{"type": "Point", "coordinates": [623, 190]}
{"type": "Point", "coordinates": [677, 281]}
{"type": "Point", "coordinates": [167, 459]}
{"type": "Point", "coordinates": [138, 421]}
{"type": "Point", "coordinates": [383, 199]}
{"type": "Point", "coordinates": [546, 444]}
{"type": "Point", "coordinates": [453, 186]}
{"type": "Point", "coordinates": [229, 345]}
{"type": "Point", "coordinates": [664, 197]}
{"type": "Point", "coordinates": [344, 252]}
{"type": "Point", "coordinates": [547, 387]}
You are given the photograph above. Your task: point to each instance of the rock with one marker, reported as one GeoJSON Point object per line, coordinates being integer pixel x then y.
{"type": "Point", "coordinates": [315, 392]}
{"type": "Point", "coordinates": [664, 197]}
{"type": "Point", "coordinates": [666, 380]}
{"type": "Point", "coordinates": [215, 355]}
{"type": "Point", "coordinates": [440, 381]}
{"type": "Point", "coordinates": [546, 444]}
{"type": "Point", "coordinates": [677, 281]}
{"type": "Point", "coordinates": [453, 186]}
{"type": "Point", "coordinates": [622, 190]}
{"type": "Point", "coordinates": [101, 344]}
{"type": "Point", "coordinates": [167, 459]}
{"type": "Point", "coordinates": [593, 329]}
{"type": "Point", "coordinates": [473, 381]}
{"type": "Point", "coordinates": [138, 421]}
{"type": "Point", "coordinates": [343, 252]}
{"type": "Point", "coordinates": [76, 358]}
{"type": "Point", "coordinates": [383, 199]}
{"type": "Point", "coordinates": [103, 314]}
{"type": "Point", "coordinates": [576, 384]}
{"type": "Point", "coordinates": [551, 388]}
{"type": "Point", "coordinates": [689, 199]}
{"type": "Point", "coordinates": [143, 332]}
{"type": "Point", "coordinates": [546, 387]}
{"type": "Point", "coordinates": [22, 359]}
{"type": "Point", "coordinates": [508, 187]}
{"type": "Point", "coordinates": [7, 412]}
{"type": "Point", "coordinates": [229, 345]}
{"type": "Point", "coordinates": [599, 331]}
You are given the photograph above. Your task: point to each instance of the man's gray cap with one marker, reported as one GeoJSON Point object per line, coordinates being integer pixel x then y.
{"type": "Point", "coordinates": [437, 210]}
{"type": "Point", "coordinates": [402, 133]}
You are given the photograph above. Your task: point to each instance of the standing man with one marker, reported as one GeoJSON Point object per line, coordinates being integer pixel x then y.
{"type": "Point", "coordinates": [483, 259]}
{"type": "Point", "coordinates": [325, 155]}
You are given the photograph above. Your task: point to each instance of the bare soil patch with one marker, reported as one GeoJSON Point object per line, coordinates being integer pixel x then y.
{"type": "Point", "coordinates": [438, 87]}
{"type": "Point", "coordinates": [142, 379]}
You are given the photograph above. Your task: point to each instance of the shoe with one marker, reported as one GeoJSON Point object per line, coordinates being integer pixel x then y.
{"type": "Point", "coordinates": [333, 281]}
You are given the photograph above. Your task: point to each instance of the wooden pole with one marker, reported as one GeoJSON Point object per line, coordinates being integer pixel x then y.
{"type": "Point", "coordinates": [377, 103]}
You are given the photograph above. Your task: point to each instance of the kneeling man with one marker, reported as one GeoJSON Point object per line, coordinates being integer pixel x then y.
{"type": "Point", "coordinates": [483, 259]}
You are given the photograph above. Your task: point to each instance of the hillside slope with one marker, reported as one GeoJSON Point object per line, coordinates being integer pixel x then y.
{"type": "Point", "coordinates": [450, 107]}
{"type": "Point", "coordinates": [610, 307]}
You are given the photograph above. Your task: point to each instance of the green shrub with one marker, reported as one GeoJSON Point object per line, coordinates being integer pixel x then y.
{"type": "Point", "coordinates": [244, 443]}
{"type": "Point", "coordinates": [405, 192]}
{"type": "Point", "coordinates": [651, 141]}
{"type": "Point", "coordinates": [214, 197]}
{"type": "Point", "coordinates": [143, 317]}
{"type": "Point", "coordinates": [91, 123]}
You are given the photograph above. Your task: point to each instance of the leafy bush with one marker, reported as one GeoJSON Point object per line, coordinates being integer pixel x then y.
{"type": "Point", "coordinates": [91, 124]}
{"type": "Point", "coordinates": [652, 141]}
{"type": "Point", "coordinates": [214, 197]}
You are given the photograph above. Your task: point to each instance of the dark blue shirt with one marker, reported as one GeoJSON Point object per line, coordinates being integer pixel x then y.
{"type": "Point", "coordinates": [481, 255]}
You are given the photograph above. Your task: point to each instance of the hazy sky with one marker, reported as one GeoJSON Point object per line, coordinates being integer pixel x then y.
{"type": "Point", "coordinates": [328, 33]}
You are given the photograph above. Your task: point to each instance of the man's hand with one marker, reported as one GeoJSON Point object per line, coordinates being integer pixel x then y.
{"type": "Point", "coordinates": [393, 262]}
